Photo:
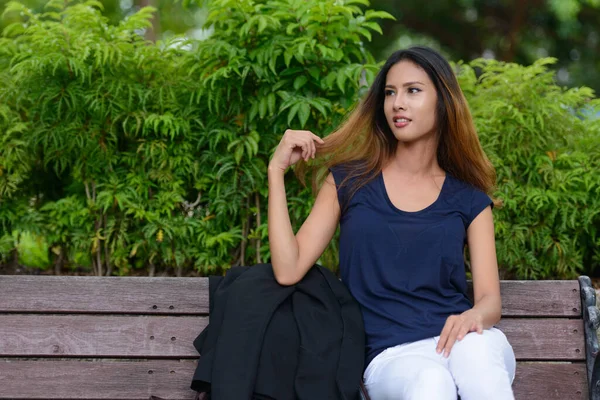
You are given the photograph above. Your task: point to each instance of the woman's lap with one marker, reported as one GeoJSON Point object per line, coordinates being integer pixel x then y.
{"type": "Point", "coordinates": [480, 366]}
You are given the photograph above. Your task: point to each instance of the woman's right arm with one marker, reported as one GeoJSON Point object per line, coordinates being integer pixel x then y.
{"type": "Point", "coordinates": [293, 255]}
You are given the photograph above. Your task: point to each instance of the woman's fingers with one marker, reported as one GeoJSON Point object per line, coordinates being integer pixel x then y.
{"type": "Point", "coordinates": [451, 340]}
{"type": "Point", "coordinates": [318, 139]}
{"type": "Point", "coordinates": [315, 140]}
{"type": "Point", "coordinates": [464, 330]}
{"type": "Point", "coordinates": [444, 335]}
{"type": "Point", "coordinates": [310, 146]}
{"type": "Point", "coordinates": [306, 140]}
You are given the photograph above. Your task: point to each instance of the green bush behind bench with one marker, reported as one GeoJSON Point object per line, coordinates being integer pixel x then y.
{"type": "Point", "coordinates": [122, 157]}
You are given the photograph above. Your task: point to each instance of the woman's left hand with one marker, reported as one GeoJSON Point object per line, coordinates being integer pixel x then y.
{"type": "Point", "coordinates": [457, 327]}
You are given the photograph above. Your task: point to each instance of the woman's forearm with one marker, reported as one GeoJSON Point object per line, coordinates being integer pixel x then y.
{"type": "Point", "coordinates": [282, 241]}
{"type": "Point", "coordinates": [490, 309]}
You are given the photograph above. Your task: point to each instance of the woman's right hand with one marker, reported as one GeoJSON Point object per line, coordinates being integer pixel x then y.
{"type": "Point", "coordinates": [293, 146]}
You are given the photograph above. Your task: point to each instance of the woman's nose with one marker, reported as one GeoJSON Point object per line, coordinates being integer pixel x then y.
{"type": "Point", "coordinates": [399, 103]}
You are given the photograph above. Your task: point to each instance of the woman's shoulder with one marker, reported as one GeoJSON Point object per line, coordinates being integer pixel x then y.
{"type": "Point", "coordinates": [349, 166]}
{"type": "Point", "coordinates": [466, 196]}
{"type": "Point", "coordinates": [458, 185]}
{"type": "Point", "coordinates": [347, 169]}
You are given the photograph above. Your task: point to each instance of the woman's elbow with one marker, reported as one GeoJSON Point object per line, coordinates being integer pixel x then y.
{"type": "Point", "coordinates": [286, 279]}
{"type": "Point", "coordinates": [285, 276]}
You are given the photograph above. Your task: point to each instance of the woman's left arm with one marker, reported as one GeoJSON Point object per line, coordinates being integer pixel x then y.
{"type": "Point", "coordinates": [484, 268]}
{"type": "Point", "coordinates": [486, 285]}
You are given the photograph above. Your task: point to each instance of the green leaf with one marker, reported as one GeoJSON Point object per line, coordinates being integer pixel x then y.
{"type": "Point", "coordinates": [300, 81]}
{"type": "Point", "coordinates": [271, 103]}
{"type": "Point", "coordinates": [320, 106]}
{"type": "Point", "coordinates": [262, 24]}
{"type": "Point", "coordinates": [363, 2]}
{"type": "Point", "coordinates": [262, 107]}
{"type": "Point", "coordinates": [341, 79]}
{"type": "Point", "coordinates": [287, 57]}
{"type": "Point", "coordinates": [291, 71]}
{"type": "Point", "coordinates": [365, 33]}
{"type": "Point", "coordinates": [325, 51]}
{"type": "Point", "coordinates": [315, 72]}
{"type": "Point", "coordinates": [292, 113]}
{"type": "Point", "coordinates": [253, 110]}
{"type": "Point", "coordinates": [371, 14]}
{"type": "Point", "coordinates": [303, 114]}
{"type": "Point", "coordinates": [301, 48]}
{"type": "Point", "coordinates": [13, 30]}
{"type": "Point", "coordinates": [290, 28]}
{"type": "Point", "coordinates": [238, 154]}
{"type": "Point", "coordinates": [373, 26]}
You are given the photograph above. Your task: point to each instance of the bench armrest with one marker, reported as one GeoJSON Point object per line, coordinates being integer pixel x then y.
{"type": "Point", "coordinates": [591, 322]}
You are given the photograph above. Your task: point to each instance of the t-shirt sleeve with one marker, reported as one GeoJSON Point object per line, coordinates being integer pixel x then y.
{"type": "Point", "coordinates": [479, 202]}
{"type": "Point", "coordinates": [338, 176]}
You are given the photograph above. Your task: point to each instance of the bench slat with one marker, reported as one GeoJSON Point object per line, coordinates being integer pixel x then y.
{"type": "Point", "coordinates": [99, 336]}
{"type": "Point", "coordinates": [138, 295]}
{"type": "Point", "coordinates": [88, 294]}
{"type": "Point", "coordinates": [170, 379]}
{"type": "Point", "coordinates": [545, 339]}
{"type": "Point", "coordinates": [117, 380]}
{"type": "Point", "coordinates": [540, 298]}
{"type": "Point", "coordinates": [130, 336]}
{"type": "Point", "coordinates": [550, 381]}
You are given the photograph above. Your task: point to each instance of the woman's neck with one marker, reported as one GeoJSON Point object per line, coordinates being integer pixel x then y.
{"type": "Point", "coordinates": [416, 159]}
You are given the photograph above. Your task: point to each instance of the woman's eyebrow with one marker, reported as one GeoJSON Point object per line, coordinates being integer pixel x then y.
{"type": "Point", "coordinates": [405, 84]}
{"type": "Point", "coordinates": [413, 83]}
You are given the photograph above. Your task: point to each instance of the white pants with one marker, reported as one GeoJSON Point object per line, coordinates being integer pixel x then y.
{"type": "Point", "coordinates": [479, 367]}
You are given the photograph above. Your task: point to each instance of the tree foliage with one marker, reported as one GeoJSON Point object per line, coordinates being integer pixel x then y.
{"type": "Point", "coordinates": [146, 156]}
{"type": "Point", "coordinates": [125, 156]}
{"type": "Point", "coordinates": [546, 149]}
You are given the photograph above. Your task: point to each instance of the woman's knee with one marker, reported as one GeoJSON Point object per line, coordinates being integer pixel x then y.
{"type": "Point", "coordinates": [483, 366]}
{"type": "Point", "coordinates": [429, 382]}
{"type": "Point", "coordinates": [433, 383]}
{"type": "Point", "coordinates": [481, 351]}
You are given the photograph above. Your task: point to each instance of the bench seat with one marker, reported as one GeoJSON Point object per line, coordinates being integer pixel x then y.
{"type": "Point", "coordinates": [131, 337]}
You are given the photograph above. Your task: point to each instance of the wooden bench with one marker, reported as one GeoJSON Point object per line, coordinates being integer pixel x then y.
{"type": "Point", "coordinates": [131, 338]}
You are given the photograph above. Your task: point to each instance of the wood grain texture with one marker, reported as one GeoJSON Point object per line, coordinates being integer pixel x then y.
{"type": "Point", "coordinates": [170, 379]}
{"type": "Point", "coordinates": [545, 339]}
{"type": "Point", "coordinates": [151, 336]}
{"type": "Point", "coordinates": [99, 335]}
{"type": "Point", "coordinates": [109, 321]}
{"type": "Point", "coordinates": [540, 298]}
{"type": "Point", "coordinates": [136, 295]}
{"type": "Point", "coordinates": [544, 381]}
{"type": "Point", "coordinates": [86, 294]}
{"type": "Point", "coordinates": [59, 379]}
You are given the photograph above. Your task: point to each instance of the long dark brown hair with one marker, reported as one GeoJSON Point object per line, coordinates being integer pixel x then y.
{"type": "Point", "coordinates": [366, 143]}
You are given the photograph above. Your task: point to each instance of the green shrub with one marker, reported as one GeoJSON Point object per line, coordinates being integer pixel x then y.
{"type": "Point", "coordinates": [148, 156]}
{"type": "Point", "coordinates": [33, 251]}
{"type": "Point", "coordinates": [139, 157]}
{"type": "Point", "coordinates": [547, 155]}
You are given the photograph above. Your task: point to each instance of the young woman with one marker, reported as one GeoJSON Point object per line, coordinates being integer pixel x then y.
{"type": "Point", "coordinates": [408, 186]}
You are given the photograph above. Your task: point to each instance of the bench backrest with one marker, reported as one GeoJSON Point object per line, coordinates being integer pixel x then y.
{"type": "Point", "coordinates": [130, 338]}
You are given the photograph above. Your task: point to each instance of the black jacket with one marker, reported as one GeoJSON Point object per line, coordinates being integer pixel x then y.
{"type": "Point", "coordinates": [267, 341]}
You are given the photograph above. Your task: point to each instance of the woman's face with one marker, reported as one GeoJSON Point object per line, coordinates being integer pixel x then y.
{"type": "Point", "coordinates": [410, 102]}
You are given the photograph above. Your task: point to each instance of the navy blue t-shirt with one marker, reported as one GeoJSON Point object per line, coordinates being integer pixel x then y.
{"type": "Point", "coordinates": [406, 269]}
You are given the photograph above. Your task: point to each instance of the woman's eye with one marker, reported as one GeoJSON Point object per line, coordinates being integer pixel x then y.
{"type": "Point", "coordinates": [389, 92]}
{"type": "Point", "coordinates": [413, 90]}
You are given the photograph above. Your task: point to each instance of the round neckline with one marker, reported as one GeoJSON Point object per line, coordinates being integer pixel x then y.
{"type": "Point", "coordinates": [393, 206]}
